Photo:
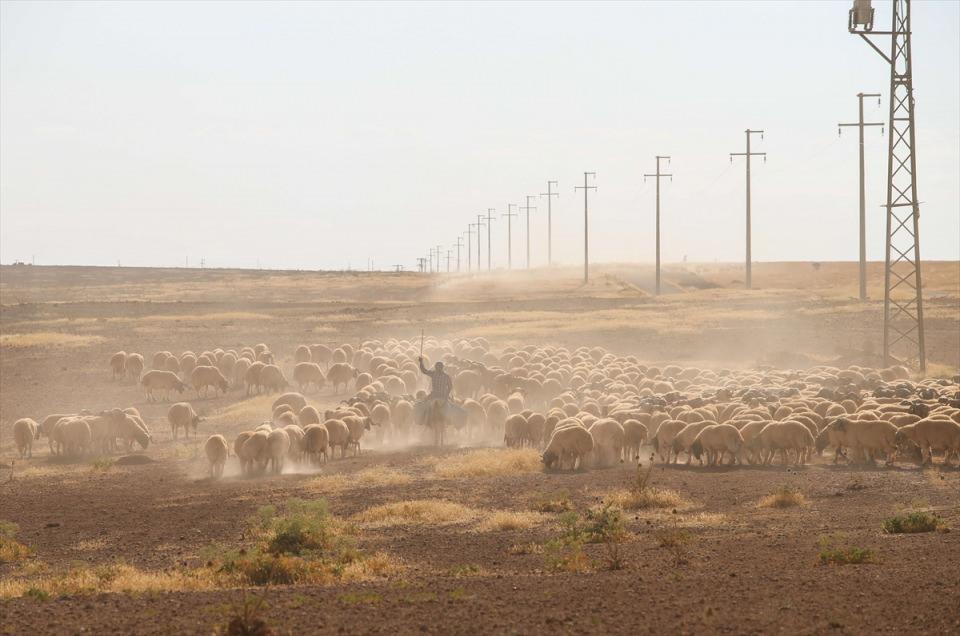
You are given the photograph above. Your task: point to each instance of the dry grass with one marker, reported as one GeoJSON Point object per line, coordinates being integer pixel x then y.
{"type": "Point", "coordinates": [649, 498]}
{"type": "Point", "coordinates": [89, 544]}
{"type": "Point", "coordinates": [489, 463]}
{"type": "Point", "coordinates": [430, 512]}
{"type": "Point", "coordinates": [500, 520]}
{"type": "Point", "coordinates": [783, 497]}
{"type": "Point", "coordinates": [377, 476]}
{"type": "Point", "coordinates": [41, 339]}
{"type": "Point", "coordinates": [379, 565]}
{"type": "Point", "coordinates": [212, 317]}
{"type": "Point", "coordinates": [251, 411]}
{"type": "Point", "coordinates": [111, 578]}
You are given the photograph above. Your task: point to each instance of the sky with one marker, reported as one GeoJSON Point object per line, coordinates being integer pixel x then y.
{"type": "Point", "coordinates": [328, 136]}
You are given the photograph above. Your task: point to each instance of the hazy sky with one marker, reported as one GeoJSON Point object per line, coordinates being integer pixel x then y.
{"type": "Point", "coordinates": [320, 135]}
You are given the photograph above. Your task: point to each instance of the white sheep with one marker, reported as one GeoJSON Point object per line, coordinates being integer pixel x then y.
{"type": "Point", "coordinates": [182, 415]}
{"type": "Point", "coordinates": [272, 378]}
{"type": "Point", "coordinates": [338, 435]}
{"type": "Point", "coordinates": [161, 381]}
{"type": "Point", "coordinates": [118, 364]}
{"type": "Point", "coordinates": [278, 447]}
{"type": "Point", "coordinates": [217, 451]}
{"type": "Point", "coordinates": [634, 435]}
{"type": "Point", "coordinates": [307, 373]}
{"type": "Point", "coordinates": [316, 438]}
{"type": "Point", "coordinates": [204, 377]}
{"type": "Point", "coordinates": [717, 440]}
{"type": "Point", "coordinates": [569, 445]}
{"type": "Point", "coordinates": [25, 430]}
{"type": "Point", "coordinates": [932, 434]}
{"type": "Point", "coordinates": [340, 374]}
{"type": "Point", "coordinates": [608, 437]}
{"type": "Point", "coordinates": [133, 366]}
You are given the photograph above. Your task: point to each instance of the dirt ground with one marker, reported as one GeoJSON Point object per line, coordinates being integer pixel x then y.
{"type": "Point", "coordinates": [740, 568]}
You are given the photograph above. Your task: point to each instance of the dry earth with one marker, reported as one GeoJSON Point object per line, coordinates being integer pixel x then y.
{"type": "Point", "coordinates": [739, 568]}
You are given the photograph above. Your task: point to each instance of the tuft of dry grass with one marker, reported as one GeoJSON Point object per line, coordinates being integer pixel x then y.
{"type": "Point", "coordinates": [501, 520]}
{"type": "Point", "coordinates": [10, 549]}
{"type": "Point", "coordinates": [416, 512]}
{"type": "Point", "coordinates": [378, 565]}
{"type": "Point", "coordinates": [41, 339]}
{"type": "Point", "coordinates": [783, 497]}
{"type": "Point", "coordinates": [117, 577]}
{"type": "Point", "coordinates": [650, 498]}
{"type": "Point", "coordinates": [489, 462]}
{"type": "Point", "coordinates": [375, 476]}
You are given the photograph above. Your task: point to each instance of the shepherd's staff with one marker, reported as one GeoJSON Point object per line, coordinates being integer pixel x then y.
{"type": "Point", "coordinates": [421, 343]}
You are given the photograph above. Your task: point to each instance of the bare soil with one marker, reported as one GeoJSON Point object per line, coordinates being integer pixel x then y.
{"type": "Point", "coordinates": [744, 569]}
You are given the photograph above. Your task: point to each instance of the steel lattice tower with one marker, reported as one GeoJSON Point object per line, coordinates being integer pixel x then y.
{"type": "Point", "coordinates": [903, 289]}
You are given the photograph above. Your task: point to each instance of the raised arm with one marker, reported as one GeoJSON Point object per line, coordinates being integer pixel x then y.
{"type": "Point", "coordinates": [424, 369]}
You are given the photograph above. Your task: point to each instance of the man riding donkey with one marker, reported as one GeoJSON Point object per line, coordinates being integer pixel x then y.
{"type": "Point", "coordinates": [437, 409]}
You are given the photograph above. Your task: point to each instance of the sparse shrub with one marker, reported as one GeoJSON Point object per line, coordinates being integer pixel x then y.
{"type": "Point", "coordinates": [102, 464]}
{"type": "Point", "coordinates": [912, 522]}
{"type": "Point", "coordinates": [466, 569]}
{"type": "Point", "coordinates": [565, 556]}
{"type": "Point", "coordinates": [246, 620]}
{"type": "Point", "coordinates": [526, 548]}
{"type": "Point", "coordinates": [643, 496]}
{"type": "Point", "coordinates": [37, 594]}
{"type": "Point", "coordinates": [834, 551]}
{"type": "Point", "coordinates": [10, 549]}
{"type": "Point", "coordinates": [675, 540]}
{"type": "Point", "coordinates": [553, 504]}
{"type": "Point", "coordinates": [783, 497]}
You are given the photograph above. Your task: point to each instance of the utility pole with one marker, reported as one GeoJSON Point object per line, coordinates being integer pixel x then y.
{"type": "Point", "coordinates": [489, 242]}
{"type": "Point", "coordinates": [459, 245]}
{"type": "Point", "coordinates": [448, 260]}
{"type": "Point", "coordinates": [748, 154]}
{"type": "Point", "coordinates": [398, 268]}
{"type": "Point", "coordinates": [510, 214]}
{"type": "Point", "coordinates": [528, 207]}
{"type": "Point", "coordinates": [439, 250]}
{"type": "Point", "coordinates": [550, 194]}
{"type": "Point", "coordinates": [430, 259]}
{"type": "Point", "coordinates": [586, 226]}
{"type": "Point", "coordinates": [479, 224]}
{"type": "Point", "coordinates": [657, 175]}
{"type": "Point", "coordinates": [469, 248]}
{"type": "Point", "coordinates": [421, 265]}
{"type": "Point", "coordinates": [863, 200]}
{"type": "Point", "coordinates": [902, 315]}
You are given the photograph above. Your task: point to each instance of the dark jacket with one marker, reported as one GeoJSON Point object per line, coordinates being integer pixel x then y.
{"type": "Point", "coordinates": [441, 386]}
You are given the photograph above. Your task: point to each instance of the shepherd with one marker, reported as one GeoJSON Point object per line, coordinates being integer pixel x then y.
{"type": "Point", "coordinates": [437, 409]}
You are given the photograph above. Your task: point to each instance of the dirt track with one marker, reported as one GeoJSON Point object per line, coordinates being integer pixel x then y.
{"type": "Point", "coordinates": [745, 569]}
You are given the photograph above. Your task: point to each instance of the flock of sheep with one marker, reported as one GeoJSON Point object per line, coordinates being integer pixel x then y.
{"type": "Point", "coordinates": [583, 408]}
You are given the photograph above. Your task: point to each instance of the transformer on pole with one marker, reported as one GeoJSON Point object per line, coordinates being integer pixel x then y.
{"type": "Point", "coordinates": [902, 281]}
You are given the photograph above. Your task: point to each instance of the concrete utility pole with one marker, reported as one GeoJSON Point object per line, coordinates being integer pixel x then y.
{"type": "Point", "coordinates": [469, 247]}
{"type": "Point", "coordinates": [430, 259]}
{"type": "Point", "coordinates": [421, 265]}
{"type": "Point", "coordinates": [398, 268]}
{"type": "Point", "coordinates": [438, 252]}
{"type": "Point", "coordinates": [510, 214]}
{"type": "Point", "coordinates": [459, 245]}
{"type": "Point", "coordinates": [550, 194]}
{"type": "Point", "coordinates": [748, 154]}
{"type": "Point", "coordinates": [479, 224]}
{"type": "Point", "coordinates": [903, 312]}
{"type": "Point", "coordinates": [586, 226]}
{"type": "Point", "coordinates": [657, 175]}
{"type": "Point", "coordinates": [449, 252]}
{"type": "Point", "coordinates": [863, 200]}
{"type": "Point", "coordinates": [489, 242]}
{"type": "Point", "coordinates": [528, 207]}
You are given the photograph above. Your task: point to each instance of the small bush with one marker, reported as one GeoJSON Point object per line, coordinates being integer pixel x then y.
{"type": "Point", "coordinates": [554, 504]}
{"type": "Point", "coordinates": [783, 497]}
{"type": "Point", "coordinates": [246, 620]}
{"type": "Point", "coordinates": [501, 520]}
{"type": "Point", "coordinates": [102, 464]}
{"type": "Point", "coordinates": [565, 556]}
{"type": "Point", "coordinates": [489, 463]}
{"type": "Point", "coordinates": [416, 512]}
{"type": "Point", "coordinates": [675, 540]}
{"type": "Point", "coordinates": [37, 594]}
{"type": "Point", "coordinates": [10, 549]}
{"type": "Point", "coordinates": [525, 548]}
{"type": "Point", "coordinates": [912, 522]}
{"type": "Point", "coordinates": [467, 569]}
{"type": "Point", "coordinates": [834, 551]}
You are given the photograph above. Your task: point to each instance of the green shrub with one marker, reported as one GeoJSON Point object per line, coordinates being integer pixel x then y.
{"type": "Point", "coordinates": [912, 522]}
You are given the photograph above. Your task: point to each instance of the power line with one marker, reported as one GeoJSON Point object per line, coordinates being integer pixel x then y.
{"type": "Point", "coordinates": [748, 154]}
{"type": "Point", "coordinates": [550, 194]}
{"type": "Point", "coordinates": [528, 207]}
{"type": "Point", "coordinates": [863, 199]}
{"type": "Point", "coordinates": [657, 175]}
{"type": "Point", "coordinates": [586, 226]}
{"type": "Point", "coordinates": [510, 214]}
{"type": "Point", "coordinates": [489, 241]}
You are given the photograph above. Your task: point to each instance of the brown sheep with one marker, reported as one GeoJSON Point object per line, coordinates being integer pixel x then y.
{"type": "Point", "coordinates": [216, 450]}
{"type": "Point", "coordinates": [182, 415]}
{"type": "Point", "coordinates": [204, 377]}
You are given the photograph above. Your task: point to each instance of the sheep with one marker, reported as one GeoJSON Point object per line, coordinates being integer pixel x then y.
{"type": "Point", "coordinates": [634, 435]}
{"type": "Point", "coordinates": [216, 450]}
{"type": "Point", "coordinates": [513, 430]}
{"type": "Point", "coordinates": [296, 441]}
{"type": "Point", "coordinates": [296, 401]}
{"type": "Point", "coordinates": [662, 440]}
{"type": "Point", "coordinates": [132, 429]}
{"type": "Point", "coordinates": [73, 436]}
{"type": "Point", "coordinates": [338, 435]}
{"type": "Point", "coordinates": [321, 354]}
{"type": "Point", "coordinates": [867, 436]}
{"type": "Point", "coordinates": [251, 378]}
{"type": "Point", "coordinates": [302, 354]}
{"type": "Point", "coordinates": [253, 452]}
{"type": "Point", "coordinates": [380, 416]}
{"type": "Point", "coordinates": [203, 377]}
{"type": "Point", "coordinates": [467, 383]}
{"type": "Point", "coordinates": [401, 414]}
{"type": "Point", "coordinates": [162, 381]}
{"type": "Point", "coordinates": [278, 446]}
{"type": "Point", "coordinates": [188, 362]}
{"type": "Point", "coordinates": [272, 378]}
{"type": "Point", "coordinates": [608, 441]}
{"type": "Point", "coordinates": [308, 415]}
{"type": "Point", "coordinates": [749, 431]}
{"type": "Point", "coordinates": [717, 440]}
{"type": "Point", "coordinates": [133, 366]}
{"type": "Point", "coordinates": [783, 437]}
{"type": "Point", "coordinates": [316, 438]}
{"type": "Point", "coordinates": [684, 440]}
{"type": "Point", "coordinates": [356, 425]}
{"type": "Point", "coordinates": [340, 373]}
{"type": "Point", "coordinates": [569, 444]}
{"type": "Point", "coordinates": [307, 373]}
{"type": "Point", "coordinates": [182, 415]}
{"type": "Point", "coordinates": [932, 434]}
{"type": "Point", "coordinates": [533, 432]}
{"type": "Point", "coordinates": [287, 418]}
{"type": "Point", "coordinates": [25, 430]}
{"type": "Point", "coordinates": [118, 364]}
